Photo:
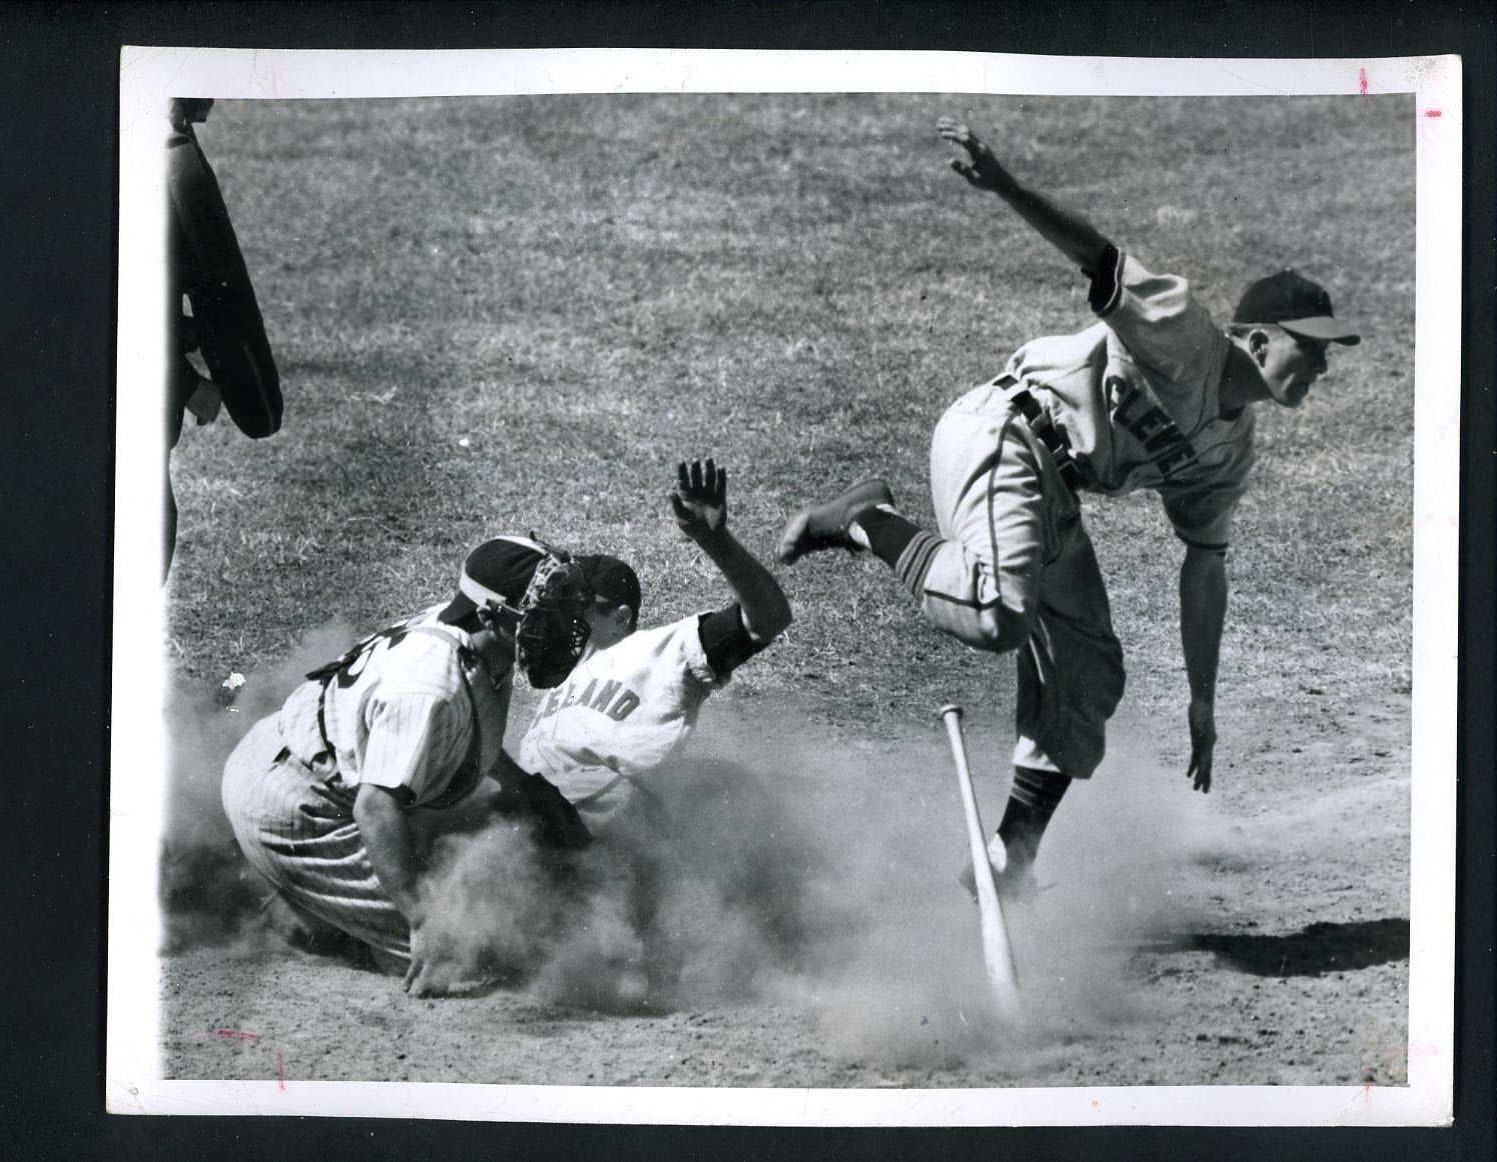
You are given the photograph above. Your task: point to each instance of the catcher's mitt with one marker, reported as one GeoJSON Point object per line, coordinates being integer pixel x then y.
{"type": "Point", "coordinates": [553, 630]}
{"type": "Point", "coordinates": [555, 823]}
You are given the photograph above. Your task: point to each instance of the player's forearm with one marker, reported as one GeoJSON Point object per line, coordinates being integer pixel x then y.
{"type": "Point", "coordinates": [766, 611]}
{"type": "Point", "coordinates": [388, 839]}
{"type": "Point", "coordinates": [1203, 613]}
{"type": "Point", "coordinates": [506, 772]}
{"type": "Point", "coordinates": [1063, 228]}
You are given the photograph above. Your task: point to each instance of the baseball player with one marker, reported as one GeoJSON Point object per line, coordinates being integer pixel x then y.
{"type": "Point", "coordinates": [206, 267]}
{"type": "Point", "coordinates": [323, 795]}
{"type": "Point", "coordinates": [1154, 395]}
{"type": "Point", "coordinates": [634, 698]}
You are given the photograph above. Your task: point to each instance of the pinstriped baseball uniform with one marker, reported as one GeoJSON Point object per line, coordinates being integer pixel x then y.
{"type": "Point", "coordinates": [621, 713]}
{"type": "Point", "coordinates": [1135, 397]}
{"type": "Point", "coordinates": [410, 708]}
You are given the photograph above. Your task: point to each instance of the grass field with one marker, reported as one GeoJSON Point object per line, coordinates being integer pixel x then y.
{"type": "Point", "coordinates": [514, 314]}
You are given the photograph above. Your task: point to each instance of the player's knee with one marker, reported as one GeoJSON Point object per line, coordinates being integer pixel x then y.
{"type": "Point", "coordinates": [1001, 628]}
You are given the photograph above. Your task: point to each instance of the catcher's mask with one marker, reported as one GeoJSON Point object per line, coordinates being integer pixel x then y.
{"type": "Point", "coordinates": [553, 629]}
{"type": "Point", "coordinates": [534, 599]}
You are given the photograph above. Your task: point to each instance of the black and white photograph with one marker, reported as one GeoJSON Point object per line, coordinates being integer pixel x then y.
{"type": "Point", "coordinates": [785, 588]}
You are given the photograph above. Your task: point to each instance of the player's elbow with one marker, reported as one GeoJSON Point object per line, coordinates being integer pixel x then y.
{"type": "Point", "coordinates": [995, 628]}
{"type": "Point", "coordinates": [375, 807]}
{"type": "Point", "coordinates": [767, 623]}
{"type": "Point", "coordinates": [1005, 628]}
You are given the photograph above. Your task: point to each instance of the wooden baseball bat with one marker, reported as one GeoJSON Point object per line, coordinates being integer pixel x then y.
{"type": "Point", "coordinates": [997, 953]}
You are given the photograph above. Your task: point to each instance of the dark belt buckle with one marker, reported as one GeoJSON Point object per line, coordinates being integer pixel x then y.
{"type": "Point", "coordinates": [1070, 475]}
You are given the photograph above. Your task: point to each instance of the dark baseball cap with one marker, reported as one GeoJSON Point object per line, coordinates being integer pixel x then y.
{"type": "Point", "coordinates": [498, 570]}
{"type": "Point", "coordinates": [1292, 301]}
{"type": "Point", "coordinates": [612, 580]}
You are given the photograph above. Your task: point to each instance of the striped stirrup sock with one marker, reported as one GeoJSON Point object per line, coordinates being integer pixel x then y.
{"type": "Point", "coordinates": [1032, 800]}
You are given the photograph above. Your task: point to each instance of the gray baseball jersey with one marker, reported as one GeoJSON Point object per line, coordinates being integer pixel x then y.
{"type": "Point", "coordinates": [1137, 398]}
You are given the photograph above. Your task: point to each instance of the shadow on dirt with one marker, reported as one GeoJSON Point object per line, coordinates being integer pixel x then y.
{"type": "Point", "coordinates": [207, 893]}
{"type": "Point", "coordinates": [1317, 949]}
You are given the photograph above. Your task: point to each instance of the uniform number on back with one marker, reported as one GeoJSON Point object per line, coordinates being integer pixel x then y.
{"type": "Point", "coordinates": [347, 669]}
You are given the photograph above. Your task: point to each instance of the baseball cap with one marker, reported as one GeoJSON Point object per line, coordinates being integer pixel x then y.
{"type": "Point", "coordinates": [1292, 301]}
{"type": "Point", "coordinates": [612, 580]}
{"type": "Point", "coordinates": [498, 570]}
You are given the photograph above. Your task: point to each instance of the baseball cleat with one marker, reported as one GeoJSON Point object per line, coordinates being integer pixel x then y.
{"type": "Point", "coordinates": [826, 525]}
{"type": "Point", "coordinates": [1014, 879]}
{"type": "Point", "coordinates": [305, 932]}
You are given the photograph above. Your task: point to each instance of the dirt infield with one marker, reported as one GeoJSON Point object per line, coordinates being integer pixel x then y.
{"type": "Point", "coordinates": [504, 315]}
{"type": "Point", "coordinates": [1254, 940]}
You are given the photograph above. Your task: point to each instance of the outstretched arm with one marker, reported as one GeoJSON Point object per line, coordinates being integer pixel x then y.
{"type": "Point", "coordinates": [700, 502]}
{"type": "Point", "coordinates": [1064, 229]}
{"type": "Point", "coordinates": [384, 825]}
{"type": "Point", "coordinates": [1203, 611]}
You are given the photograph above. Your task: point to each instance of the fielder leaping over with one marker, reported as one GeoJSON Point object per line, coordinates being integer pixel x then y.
{"type": "Point", "coordinates": [1155, 396]}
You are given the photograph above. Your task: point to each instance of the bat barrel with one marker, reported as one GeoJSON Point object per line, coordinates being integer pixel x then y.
{"type": "Point", "coordinates": [997, 954]}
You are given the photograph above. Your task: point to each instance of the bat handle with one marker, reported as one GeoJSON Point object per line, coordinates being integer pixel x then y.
{"type": "Point", "coordinates": [951, 715]}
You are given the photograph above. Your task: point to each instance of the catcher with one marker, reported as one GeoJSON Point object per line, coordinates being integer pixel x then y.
{"type": "Point", "coordinates": [324, 795]}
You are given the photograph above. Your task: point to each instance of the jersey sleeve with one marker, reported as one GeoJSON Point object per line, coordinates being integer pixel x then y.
{"type": "Point", "coordinates": [415, 743]}
{"type": "Point", "coordinates": [688, 647]}
{"type": "Point", "coordinates": [726, 641]}
{"type": "Point", "coordinates": [1158, 320]}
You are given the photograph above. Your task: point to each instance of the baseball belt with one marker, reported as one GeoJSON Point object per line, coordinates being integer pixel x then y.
{"type": "Point", "coordinates": [1044, 429]}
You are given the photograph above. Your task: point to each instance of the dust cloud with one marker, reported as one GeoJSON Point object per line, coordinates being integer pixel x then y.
{"type": "Point", "coordinates": [905, 982]}
{"type": "Point", "coordinates": [206, 890]}
{"type": "Point", "coordinates": [825, 879]}
{"type": "Point", "coordinates": [787, 870]}
{"type": "Point", "coordinates": [700, 897]}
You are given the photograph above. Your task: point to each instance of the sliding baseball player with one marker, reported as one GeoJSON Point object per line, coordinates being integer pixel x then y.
{"type": "Point", "coordinates": [633, 699]}
{"type": "Point", "coordinates": [1154, 395]}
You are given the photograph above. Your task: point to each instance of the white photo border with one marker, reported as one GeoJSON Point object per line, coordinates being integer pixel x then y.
{"type": "Point", "coordinates": [138, 746]}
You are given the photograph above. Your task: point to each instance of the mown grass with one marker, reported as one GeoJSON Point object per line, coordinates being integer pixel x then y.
{"type": "Point", "coordinates": [587, 289]}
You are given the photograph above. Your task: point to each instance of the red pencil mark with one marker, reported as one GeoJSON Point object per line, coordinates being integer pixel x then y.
{"type": "Point", "coordinates": [1362, 81]}
{"type": "Point", "coordinates": [280, 1059]}
{"type": "Point", "coordinates": [234, 1035]}
{"type": "Point", "coordinates": [1432, 113]}
{"type": "Point", "coordinates": [1367, 1094]}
